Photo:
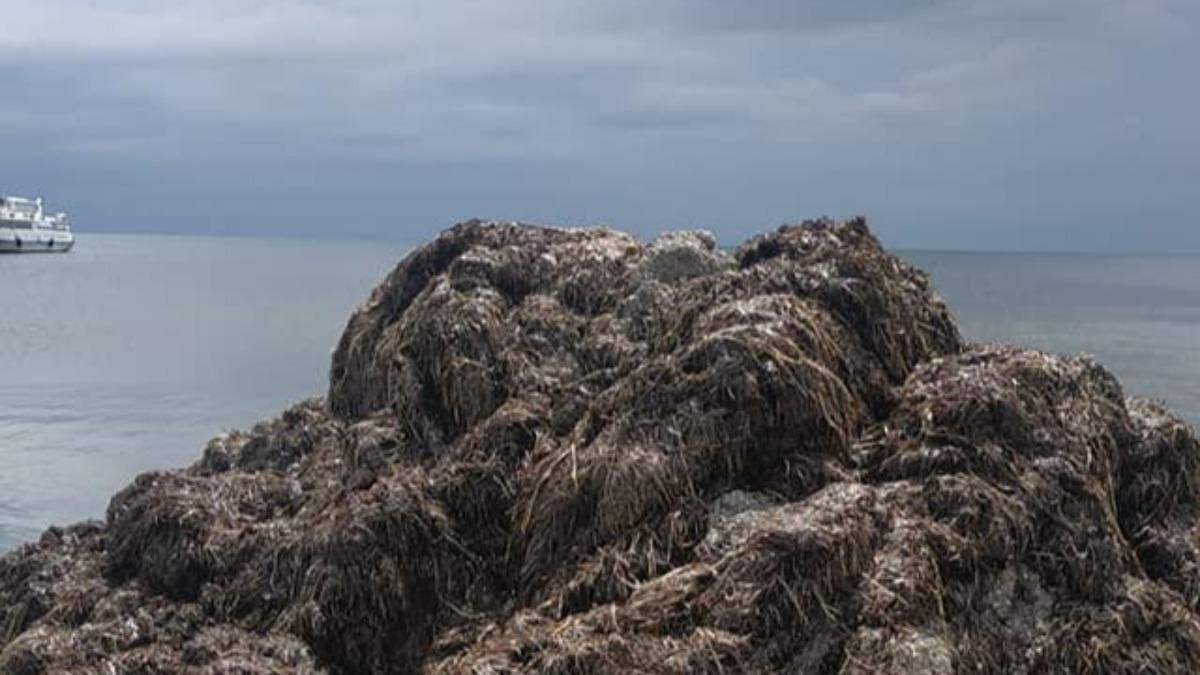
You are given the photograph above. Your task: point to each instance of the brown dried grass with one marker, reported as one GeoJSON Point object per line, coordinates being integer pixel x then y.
{"type": "Point", "coordinates": [565, 451]}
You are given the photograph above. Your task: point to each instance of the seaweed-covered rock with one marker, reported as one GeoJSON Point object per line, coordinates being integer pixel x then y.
{"type": "Point", "coordinates": [676, 256]}
{"type": "Point", "coordinates": [569, 451]}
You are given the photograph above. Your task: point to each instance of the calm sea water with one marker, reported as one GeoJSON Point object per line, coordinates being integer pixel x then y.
{"type": "Point", "coordinates": [1139, 315]}
{"type": "Point", "coordinates": [130, 352]}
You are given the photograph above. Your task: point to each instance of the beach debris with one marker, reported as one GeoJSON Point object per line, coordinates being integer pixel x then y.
{"type": "Point", "coordinates": [552, 450]}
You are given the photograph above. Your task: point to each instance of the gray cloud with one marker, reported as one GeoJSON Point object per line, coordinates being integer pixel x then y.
{"type": "Point", "coordinates": [715, 16]}
{"type": "Point", "coordinates": [1019, 124]}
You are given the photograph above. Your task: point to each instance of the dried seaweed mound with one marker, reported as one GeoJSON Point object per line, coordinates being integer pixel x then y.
{"type": "Point", "coordinates": [571, 451]}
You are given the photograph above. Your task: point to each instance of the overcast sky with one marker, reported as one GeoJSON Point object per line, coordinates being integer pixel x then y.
{"type": "Point", "coordinates": [966, 124]}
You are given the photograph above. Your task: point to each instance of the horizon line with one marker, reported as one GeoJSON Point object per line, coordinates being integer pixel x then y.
{"type": "Point", "coordinates": [384, 238]}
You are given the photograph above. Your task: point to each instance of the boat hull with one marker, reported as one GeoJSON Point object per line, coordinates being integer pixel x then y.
{"type": "Point", "coordinates": [36, 241]}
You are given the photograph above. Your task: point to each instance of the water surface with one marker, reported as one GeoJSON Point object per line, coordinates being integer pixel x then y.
{"type": "Point", "coordinates": [1138, 315]}
{"type": "Point", "coordinates": [130, 352]}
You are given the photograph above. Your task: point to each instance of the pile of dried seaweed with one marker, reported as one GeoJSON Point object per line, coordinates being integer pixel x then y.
{"type": "Point", "coordinates": [569, 451]}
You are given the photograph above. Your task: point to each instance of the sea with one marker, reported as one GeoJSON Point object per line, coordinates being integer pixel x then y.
{"type": "Point", "coordinates": [131, 351]}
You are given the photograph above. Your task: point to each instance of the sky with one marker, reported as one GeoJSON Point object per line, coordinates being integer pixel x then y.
{"type": "Point", "coordinates": [951, 124]}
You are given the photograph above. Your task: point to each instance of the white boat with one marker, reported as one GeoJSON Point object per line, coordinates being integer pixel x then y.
{"type": "Point", "coordinates": [25, 227]}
